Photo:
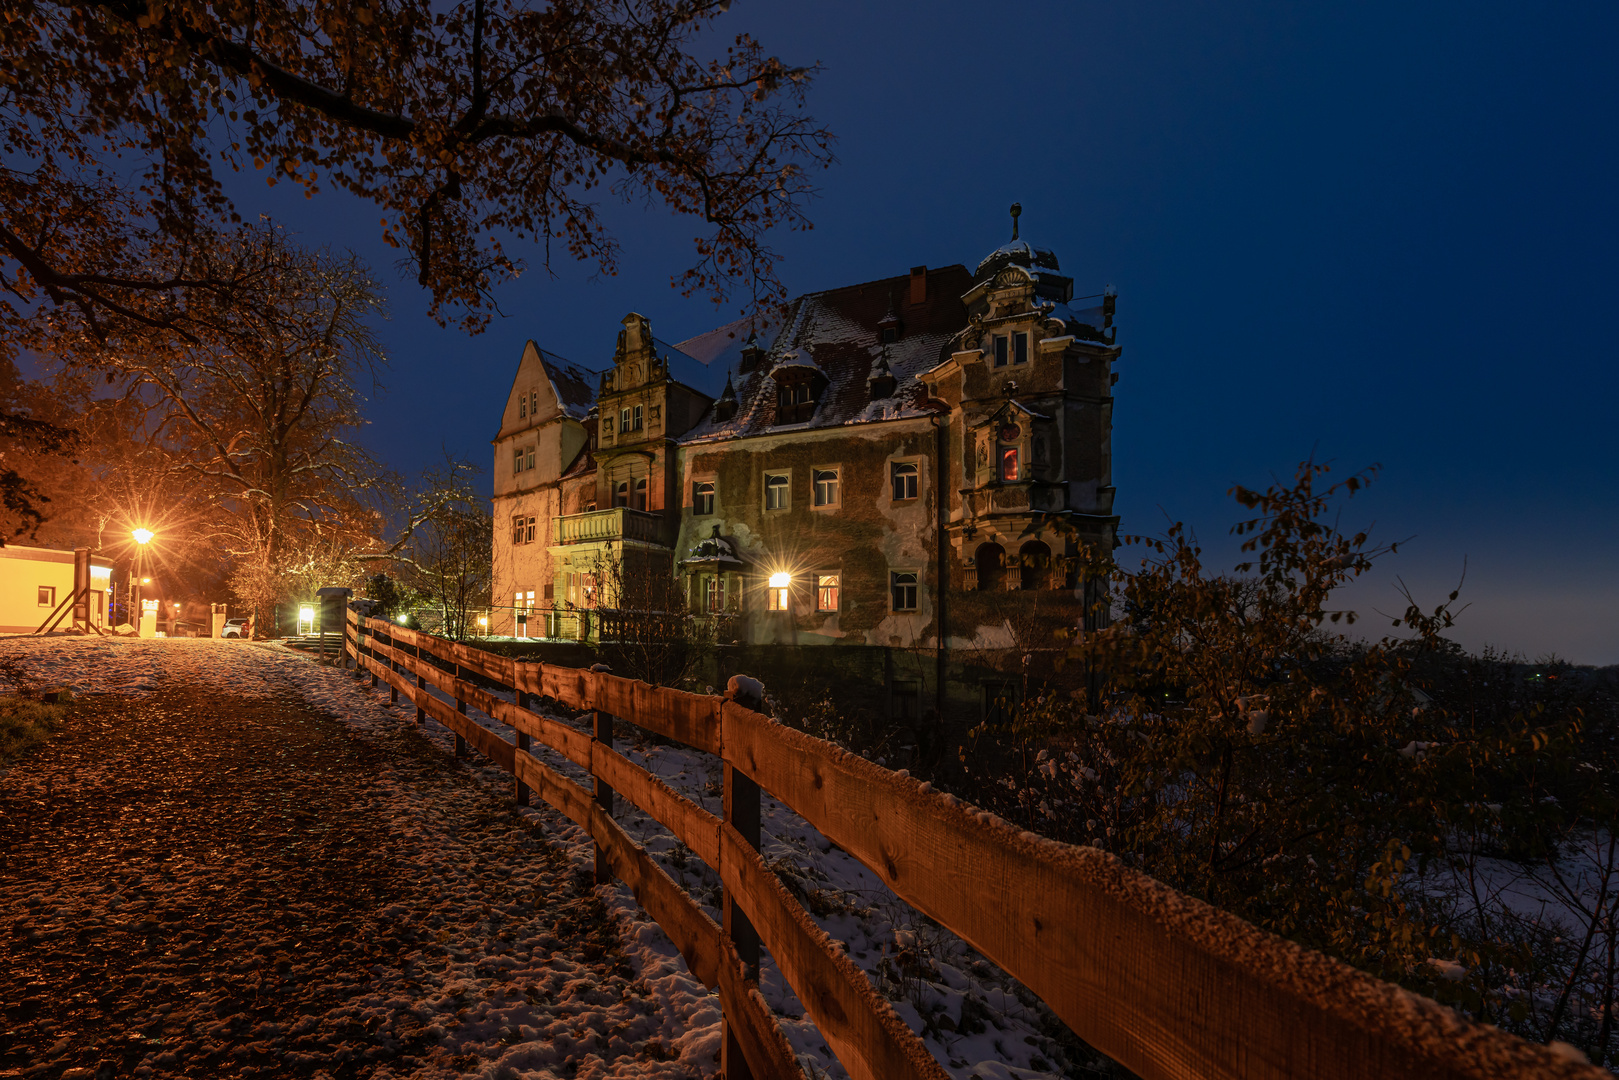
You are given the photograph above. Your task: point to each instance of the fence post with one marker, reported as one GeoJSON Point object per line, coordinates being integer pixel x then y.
{"type": "Point", "coordinates": [604, 794]}
{"type": "Point", "coordinates": [460, 707]}
{"type": "Point", "coordinates": [421, 684]}
{"type": "Point", "coordinates": [742, 814]}
{"type": "Point", "coordinates": [523, 745]}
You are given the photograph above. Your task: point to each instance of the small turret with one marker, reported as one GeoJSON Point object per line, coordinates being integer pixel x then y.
{"type": "Point", "coordinates": [725, 407]}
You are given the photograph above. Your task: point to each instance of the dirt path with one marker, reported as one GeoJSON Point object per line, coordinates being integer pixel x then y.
{"type": "Point", "coordinates": [206, 883]}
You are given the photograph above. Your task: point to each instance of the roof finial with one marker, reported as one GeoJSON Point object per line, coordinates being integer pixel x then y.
{"type": "Point", "coordinates": [1017, 208]}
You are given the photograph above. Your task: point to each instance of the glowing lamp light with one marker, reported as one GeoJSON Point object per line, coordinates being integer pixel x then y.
{"type": "Point", "coordinates": [143, 536]}
{"type": "Point", "coordinates": [403, 619]}
{"type": "Point", "coordinates": [483, 620]}
{"type": "Point", "coordinates": [146, 581]}
{"type": "Point", "coordinates": [780, 581]}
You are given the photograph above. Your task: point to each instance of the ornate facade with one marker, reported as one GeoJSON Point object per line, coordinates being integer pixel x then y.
{"type": "Point", "coordinates": [879, 468]}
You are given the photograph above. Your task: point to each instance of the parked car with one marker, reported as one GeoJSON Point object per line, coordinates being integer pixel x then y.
{"type": "Point", "coordinates": [237, 628]}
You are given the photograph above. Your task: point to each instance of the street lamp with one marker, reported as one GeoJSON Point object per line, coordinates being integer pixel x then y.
{"type": "Point", "coordinates": [143, 536]}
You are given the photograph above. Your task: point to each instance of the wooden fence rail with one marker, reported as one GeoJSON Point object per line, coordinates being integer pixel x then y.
{"type": "Point", "coordinates": [1162, 983]}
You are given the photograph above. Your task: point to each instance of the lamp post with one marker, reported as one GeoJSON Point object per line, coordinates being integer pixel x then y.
{"type": "Point", "coordinates": [142, 538]}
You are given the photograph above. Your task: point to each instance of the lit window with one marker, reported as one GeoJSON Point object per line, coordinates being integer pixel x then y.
{"type": "Point", "coordinates": [826, 592]}
{"type": "Point", "coordinates": [529, 537]}
{"type": "Point", "coordinates": [1009, 464]}
{"type": "Point", "coordinates": [47, 596]}
{"type": "Point", "coordinates": [587, 583]}
{"type": "Point", "coordinates": [780, 584]}
{"type": "Point", "coordinates": [904, 475]}
{"type": "Point", "coordinates": [702, 498]}
{"type": "Point", "coordinates": [1000, 350]}
{"type": "Point", "coordinates": [827, 488]}
{"type": "Point", "coordinates": [517, 529]}
{"type": "Point", "coordinates": [1020, 348]}
{"type": "Point", "coordinates": [904, 589]}
{"type": "Point", "coordinates": [775, 491]}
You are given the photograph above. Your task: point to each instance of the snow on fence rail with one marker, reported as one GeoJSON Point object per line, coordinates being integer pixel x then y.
{"type": "Point", "coordinates": [1164, 984]}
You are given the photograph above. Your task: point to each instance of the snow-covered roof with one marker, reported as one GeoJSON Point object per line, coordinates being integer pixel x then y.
{"type": "Point", "coordinates": [1086, 324]}
{"type": "Point", "coordinates": [574, 386]}
{"type": "Point", "coordinates": [1020, 252]}
{"type": "Point", "coordinates": [701, 375]}
{"type": "Point", "coordinates": [836, 333]}
{"type": "Point", "coordinates": [720, 349]}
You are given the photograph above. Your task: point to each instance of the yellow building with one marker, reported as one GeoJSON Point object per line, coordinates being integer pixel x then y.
{"type": "Point", "coordinates": [34, 581]}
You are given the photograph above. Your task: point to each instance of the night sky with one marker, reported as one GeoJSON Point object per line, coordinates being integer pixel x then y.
{"type": "Point", "coordinates": [1383, 233]}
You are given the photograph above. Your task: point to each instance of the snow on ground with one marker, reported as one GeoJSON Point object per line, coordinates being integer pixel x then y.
{"type": "Point", "coordinates": [975, 1019]}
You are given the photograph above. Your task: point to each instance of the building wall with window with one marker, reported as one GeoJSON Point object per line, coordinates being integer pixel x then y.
{"type": "Point", "coordinates": [875, 465]}
{"type": "Point", "coordinates": [34, 582]}
{"type": "Point", "coordinates": [542, 434]}
{"type": "Point", "coordinates": [817, 532]}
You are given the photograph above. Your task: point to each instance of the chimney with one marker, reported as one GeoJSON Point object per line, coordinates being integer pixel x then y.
{"type": "Point", "coordinates": [919, 284]}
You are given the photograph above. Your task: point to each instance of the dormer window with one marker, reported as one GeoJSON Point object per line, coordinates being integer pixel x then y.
{"type": "Point", "coordinates": [1013, 348]}
{"type": "Point", "coordinates": [796, 388]}
{"type": "Point", "coordinates": [888, 330]}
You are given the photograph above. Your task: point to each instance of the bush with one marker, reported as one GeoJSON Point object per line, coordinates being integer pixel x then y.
{"type": "Point", "coordinates": [1365, 798]}
{"type": "Point", "coordinates": [25, 725]}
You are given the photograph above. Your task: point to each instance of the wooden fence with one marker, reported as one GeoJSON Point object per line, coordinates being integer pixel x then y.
{"type": "Point", "coordinates": [1164, 984]}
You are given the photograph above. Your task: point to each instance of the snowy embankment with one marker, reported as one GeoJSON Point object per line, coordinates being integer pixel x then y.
{"type": "Point", "coordinates": [976, 1020]}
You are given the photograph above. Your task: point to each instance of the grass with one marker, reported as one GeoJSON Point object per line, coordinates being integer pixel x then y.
{"type": "Point", "coordinates": [25, 725]}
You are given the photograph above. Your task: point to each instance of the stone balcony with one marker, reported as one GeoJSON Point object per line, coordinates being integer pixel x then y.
{"type": "Point", "coordinates": [618, 523]}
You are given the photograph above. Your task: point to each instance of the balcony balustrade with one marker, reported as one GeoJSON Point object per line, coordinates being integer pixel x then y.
{"type": "Point", "coordinates": [617, 523]}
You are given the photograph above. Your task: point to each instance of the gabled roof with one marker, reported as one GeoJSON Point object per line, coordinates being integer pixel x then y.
{"type": "Point", "coordinates": [836, 333]}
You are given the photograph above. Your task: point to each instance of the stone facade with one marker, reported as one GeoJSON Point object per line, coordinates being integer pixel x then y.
{"type": "Point", "coordinates": [876, 469]}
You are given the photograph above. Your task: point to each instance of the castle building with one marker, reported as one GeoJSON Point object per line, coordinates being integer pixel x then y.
{"type": "Point", "coordinates": [876, 469]}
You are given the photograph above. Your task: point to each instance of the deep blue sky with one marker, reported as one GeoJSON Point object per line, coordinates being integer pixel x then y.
{"type": "Point", "coordinates": [1384, 233]}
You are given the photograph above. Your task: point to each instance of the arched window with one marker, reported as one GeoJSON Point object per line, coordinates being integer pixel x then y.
{"type": "Point", "coordinates": [639, 502]}
{"type": "Point", "coordinates": [991, 559]}
{"type": "Point", "coordinates": [1035, 558]}
{"type": "Point", "coordinates": [621, 493]}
